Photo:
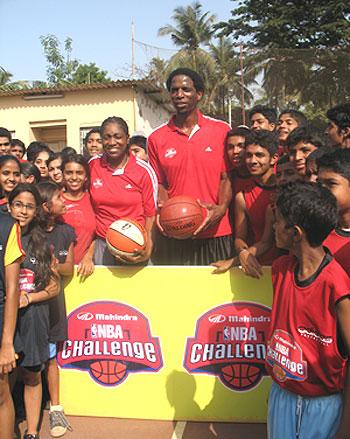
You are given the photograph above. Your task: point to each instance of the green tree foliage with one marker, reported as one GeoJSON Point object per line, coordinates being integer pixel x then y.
{"type": "Point", "coordinates": [60, 67]}
{"type": "Point", "coordinates": [63, 69]}
{"type": "Point", "coordinates": [157, 71]}
{"type": "Point", "coordinates": [302, 48]}
{"type": "Point", "coordinates": [292, 24]}
{"type": "Point", "coordinates": [88, 74]}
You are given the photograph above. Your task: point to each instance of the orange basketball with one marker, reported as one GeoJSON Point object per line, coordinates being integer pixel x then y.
{"type": "Point", "coordinates": [181, 216]}
{"type": "Point", "coordinates": [124, 236]}
{"type": "Point", "coordinates": [108, 372]}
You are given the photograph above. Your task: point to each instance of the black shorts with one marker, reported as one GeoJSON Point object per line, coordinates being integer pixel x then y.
{"type": "Point", "coordinates": [169, 251]}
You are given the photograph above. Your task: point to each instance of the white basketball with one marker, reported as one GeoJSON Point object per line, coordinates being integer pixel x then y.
{"type": "Point", "coordinates": [125, 236]}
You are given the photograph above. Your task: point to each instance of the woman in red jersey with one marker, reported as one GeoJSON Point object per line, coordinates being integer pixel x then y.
{"type": "Point", "coordinates": [122, 186]}
{"type": "Point", "coordinates": [80, 214]}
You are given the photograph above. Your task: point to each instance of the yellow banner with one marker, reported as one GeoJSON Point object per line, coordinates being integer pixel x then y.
{"type": "Point", "coordinates": [167, 343]}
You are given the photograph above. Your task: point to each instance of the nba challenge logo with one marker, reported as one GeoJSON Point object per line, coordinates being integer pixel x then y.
{"type": "Point", "coordinates": [110, 340]}
{"type": "Point", "coordinates": [230, 342]}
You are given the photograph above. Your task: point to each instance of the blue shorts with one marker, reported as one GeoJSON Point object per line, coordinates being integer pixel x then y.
{"type": "Point", "coordinates": [52, 350]}
{"type": "Point", "coordinates": [291, 416]}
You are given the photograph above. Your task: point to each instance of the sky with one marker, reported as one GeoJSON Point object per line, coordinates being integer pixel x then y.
{"type": "Point", "coordinates": [100, 29]}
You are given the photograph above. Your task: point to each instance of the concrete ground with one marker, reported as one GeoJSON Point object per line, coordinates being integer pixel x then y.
{"type": "Point", "coordinates": [110, 428]}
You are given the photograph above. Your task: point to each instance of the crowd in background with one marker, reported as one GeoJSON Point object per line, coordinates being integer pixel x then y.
{"type": "Point", "coordinates": [56, 208]}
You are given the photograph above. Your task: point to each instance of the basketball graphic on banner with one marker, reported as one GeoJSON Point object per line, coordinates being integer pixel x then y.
{"type": "Point", "coordinates": [241, 376]}
{"type": "Point", "coordinates": [108, 372]}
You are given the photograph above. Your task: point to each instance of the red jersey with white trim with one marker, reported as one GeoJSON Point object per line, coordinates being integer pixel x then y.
{"type": "Point", "coordinates": [302, 353]}
{"type": "Point", "coordinates": [257, 198]}
{"type": "Point", "coordinates": [338, 242]}
{"type": "Point", "coordinates": [129, 192]}
{"type": "Point", "coordinates": [81, 216]}
{"type": "Point", "coordinates": [192, 165]}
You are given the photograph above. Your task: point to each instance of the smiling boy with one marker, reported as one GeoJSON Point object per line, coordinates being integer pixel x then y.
{"type": "Point", "coordinates": [288, 121]}
{"type": "Point", "coordinates": [263, 118]}
{"type": "Point", "coordinates": [5, 141]}
{"type": "Point", "coordinates": [334, 173]}
{"type": "Point", "coordinates": [338, 129]}
{"type": "Point", "coordinates": [301, 142]}
{"type": "Point", "coordinates": [251, 204]}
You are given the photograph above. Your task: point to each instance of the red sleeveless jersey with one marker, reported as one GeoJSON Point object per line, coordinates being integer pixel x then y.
{"type": "Point", "coordinates": [338, 242]}
{"type": "Point", "coordinates": [302, 352]}
{"type": "Point", "coordinates": [257, 198]}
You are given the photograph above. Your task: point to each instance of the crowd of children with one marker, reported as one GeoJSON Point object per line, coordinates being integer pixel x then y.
{"type": "Point", "coordinates": [290, 209]}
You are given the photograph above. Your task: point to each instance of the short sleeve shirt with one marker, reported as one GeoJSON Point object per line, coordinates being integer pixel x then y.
{"type": "Point", "coordinates": [81, 216]}
{"type": "Point", "coordinates": [129, 192]}
{"type": "Point", "coordinates": [192, 165]}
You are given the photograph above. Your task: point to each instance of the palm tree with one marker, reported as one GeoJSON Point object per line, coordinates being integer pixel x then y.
{"type": "Point", "coordinates": [157, 71]}
{"type": "Point", "coordinates": [226, 83]}
{"type": "Point", "coordinates": [5, 76]}
{"type": "Point", "coordinates": [192, 29]}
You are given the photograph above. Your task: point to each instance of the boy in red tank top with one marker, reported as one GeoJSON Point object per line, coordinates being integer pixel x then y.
{"type": "Point", "coordinates": [334, 173]}
{"type": "Point", "coordinates": [309, 338]}
{"type": "Point", "coordinates": [235, 142]}
{"type": "Point", "coordinates": [250, 204]}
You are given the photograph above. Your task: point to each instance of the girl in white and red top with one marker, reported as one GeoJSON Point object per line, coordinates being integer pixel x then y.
{"type": "Point", "coordinates": [122, 186]}
{"type": "Point", "coordinates": [80, 214]}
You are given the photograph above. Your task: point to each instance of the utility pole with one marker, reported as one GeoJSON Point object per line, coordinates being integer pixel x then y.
{"type": "Point", "coordinates": [242, 82]}
{"type": "Point", "coordinates": [229, 111]}
{"type": "Point", "coordinates": [132, 50]}
{"type": "Point", "coordinates": [133, 73]}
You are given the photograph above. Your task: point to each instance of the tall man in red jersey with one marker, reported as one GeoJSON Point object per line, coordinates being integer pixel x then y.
{"type": "Point", "coordinates": [188, 157]}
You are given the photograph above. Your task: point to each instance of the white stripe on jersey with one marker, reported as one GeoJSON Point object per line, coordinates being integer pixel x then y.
{"type": "Point", "coordinates": [152, 176]}
{"type": "Point", "coordinates": [216, 120]}
{"type": "Point", "coordinates": [160, 126]}
{"type": "Point", "coordinates": [95, 157]}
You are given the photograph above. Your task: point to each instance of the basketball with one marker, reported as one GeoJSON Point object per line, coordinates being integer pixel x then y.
{"type": "Point", "coordinates": [279, 373]}
{"type": "Point", "coordinates": [181, 216]}
{"type": "Point", "coordinates": [124, 236]}
{"type": "Point", "coordinates": [240, 376]}
{"type": "Point", "coordinates": [108, 372]}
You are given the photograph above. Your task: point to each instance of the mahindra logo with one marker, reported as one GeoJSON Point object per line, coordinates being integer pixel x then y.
{"type": "Point", "coordinates": [216, 318]}
{"type": "Point", "coordinates": [85, 316]}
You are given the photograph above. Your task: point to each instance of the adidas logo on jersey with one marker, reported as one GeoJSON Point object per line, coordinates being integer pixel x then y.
{"type": "Point", "coordinates": [208, 149]}
{"type": "Point", "coordinates": [128, 186]}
